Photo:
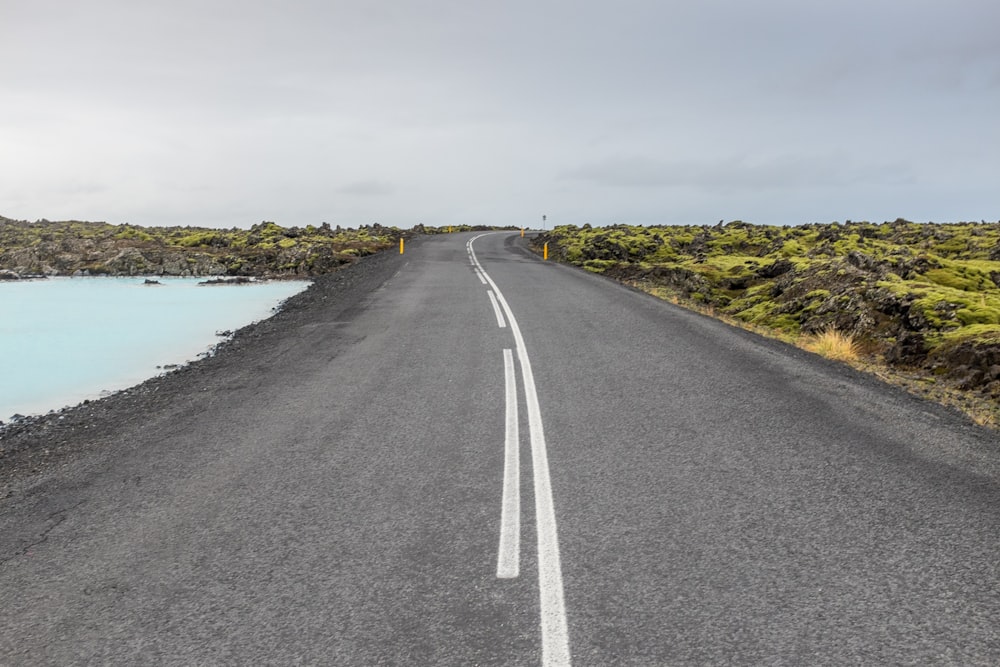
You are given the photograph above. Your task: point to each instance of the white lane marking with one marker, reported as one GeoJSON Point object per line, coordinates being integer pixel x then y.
{"type": "Point", "coordinates": [508, 556]}
{"type": "Point", "coordinates": [480, 276]}
{"type": "Point", "coordinates": [555, 633]}
{"type": "Point", "coordinates": [496, 310]}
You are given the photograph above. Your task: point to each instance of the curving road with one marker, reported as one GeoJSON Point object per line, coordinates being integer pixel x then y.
{"type": "Point", "coordinates": [490, 459]}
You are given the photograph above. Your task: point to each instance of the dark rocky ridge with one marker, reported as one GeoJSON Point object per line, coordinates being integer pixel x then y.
{"type": "Point", "coordinates": [73, 248]}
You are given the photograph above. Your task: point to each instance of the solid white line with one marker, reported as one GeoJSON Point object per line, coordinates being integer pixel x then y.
{"type": "Point", "coordinates": [508, 558]}
{"type": "Point", "coordinates": [555, 633]}
{"type": "Point", "coordinates": [480, 276]}
{"type": "Point", "coordinates": [496, 309]}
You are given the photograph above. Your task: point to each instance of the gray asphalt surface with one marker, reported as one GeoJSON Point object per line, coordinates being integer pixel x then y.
{"type": "Point", "coordinates": [335, 497]}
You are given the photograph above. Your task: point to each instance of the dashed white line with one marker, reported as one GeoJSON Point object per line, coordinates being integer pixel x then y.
{"type": "Point", "coordinates": [508, 556]}
{"type": "Point", "coordinates": [555, 633]}
{"type": "Point", "coordinates": [480, 276]}
{"type": "Point", "coordinates": [496, 309]}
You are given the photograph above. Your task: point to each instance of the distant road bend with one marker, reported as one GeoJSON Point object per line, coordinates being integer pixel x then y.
{"type": "Point", "coordinates": [483, 458]}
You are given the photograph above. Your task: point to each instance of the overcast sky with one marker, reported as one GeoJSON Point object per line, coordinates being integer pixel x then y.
{"type": "Point", "coordinates": [225, 113]}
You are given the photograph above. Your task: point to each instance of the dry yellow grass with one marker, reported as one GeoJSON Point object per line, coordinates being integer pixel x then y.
{"type": "Point", "coordinates": [832, 344]}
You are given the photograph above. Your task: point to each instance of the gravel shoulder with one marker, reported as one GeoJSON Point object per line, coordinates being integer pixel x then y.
{"type": "Point", "coordinates": [37, 448]}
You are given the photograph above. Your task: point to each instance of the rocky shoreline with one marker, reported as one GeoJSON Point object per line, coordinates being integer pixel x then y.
{"type": "Point", "coordinates": [6, 274]}
{"type": "Point", "coordinates": [265, 250]}
{"type": "Point", "coordinates": [76, 248]}
{"type": "Point", "coordinates": [32, 445]}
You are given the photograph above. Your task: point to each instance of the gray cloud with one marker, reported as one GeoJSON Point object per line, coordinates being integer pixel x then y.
{"type": "Point", "coordinates": [444, 111]}
{"type": "Point", "coordinates": [367, 189]}
{"type": "Point", "coordinates": [778, 173]}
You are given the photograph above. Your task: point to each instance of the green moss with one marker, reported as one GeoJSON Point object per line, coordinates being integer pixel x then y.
{"type": "Point", "coordinates": [202, 239]}
{"type": "Point", "coordinates": [951, 278]}
{"type": "Point", "coordinates": [732, 264]}
{"type": "Point", "coordinates": [875, 279]}
{"type": "Point", "coordinates": [791, 248]}
{"type": "Point", "coordinates": [952, 247]}
{"type": "Point", "coordinates": [599, 265]}
{"type": "Point", "coordinates": [978, 332]}
{"type": "Point", "coordinates": [968, 316]}
{"type": "Point", "coordinates": [134, 233]}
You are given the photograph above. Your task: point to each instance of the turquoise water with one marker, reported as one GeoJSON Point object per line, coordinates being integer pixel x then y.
{"type": "Point", "coordinates": [64, 340]}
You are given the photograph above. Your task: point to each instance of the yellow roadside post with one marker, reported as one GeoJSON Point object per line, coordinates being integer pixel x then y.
{"type": "Point", "coordinates": [400, 246]}
{"type": "Point", "coordinates": [449, 229]}
{"type": "Point", "coordinates": [545, 251]}
{"type": "Point", "coordinates": [522, 232]}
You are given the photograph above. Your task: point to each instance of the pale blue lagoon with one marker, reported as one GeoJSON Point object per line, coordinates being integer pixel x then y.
{"type": "Point", "coordinates": [65, 340]}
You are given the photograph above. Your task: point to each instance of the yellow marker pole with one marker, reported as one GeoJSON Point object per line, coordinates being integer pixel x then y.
{"type": "Point", "coordinates": [400, 246]}
{"type": "Point", "coordinates": [522, 232]}
{"type": "Point", "coordinates": [545, 251]}
{"type": "Point", "coordinates": [449, 229]}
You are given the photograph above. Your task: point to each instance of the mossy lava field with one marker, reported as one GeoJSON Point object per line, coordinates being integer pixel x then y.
{"type": "Point", "coordinates": [921, 300]}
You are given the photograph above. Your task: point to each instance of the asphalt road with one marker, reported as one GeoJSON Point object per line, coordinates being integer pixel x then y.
{"type": "Point", "coordinates": [683, 493]}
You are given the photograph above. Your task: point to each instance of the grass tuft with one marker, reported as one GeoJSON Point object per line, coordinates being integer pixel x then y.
{"type": "Point", "coordinates": [832, 344]}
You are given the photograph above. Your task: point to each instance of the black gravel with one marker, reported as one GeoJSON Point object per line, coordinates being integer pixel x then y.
{"type": "Point", "coordinates": [33, 445]}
